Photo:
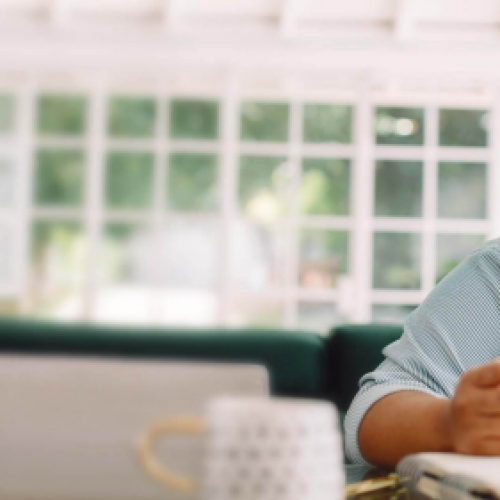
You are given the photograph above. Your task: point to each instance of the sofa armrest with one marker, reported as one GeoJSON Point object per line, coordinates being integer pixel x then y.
{"type": "Point", "coordinates": [353, 351]}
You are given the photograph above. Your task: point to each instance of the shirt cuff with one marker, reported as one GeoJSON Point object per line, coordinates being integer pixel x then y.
{"type": "Point", "coordinates": [362, 403]}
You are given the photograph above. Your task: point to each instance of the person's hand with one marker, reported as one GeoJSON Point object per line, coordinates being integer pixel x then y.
{"type": "Point", "coordinates": [474, 412]}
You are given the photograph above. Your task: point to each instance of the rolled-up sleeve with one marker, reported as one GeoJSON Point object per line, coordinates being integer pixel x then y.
{"type": "Point", "coordinates": [456, 328]}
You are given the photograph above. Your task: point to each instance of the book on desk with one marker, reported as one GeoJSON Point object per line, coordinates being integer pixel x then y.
{"type": "Point", "coordinates": [450, 476]}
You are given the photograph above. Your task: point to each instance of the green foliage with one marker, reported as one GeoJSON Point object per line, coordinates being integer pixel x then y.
{"type": "Point", "coordinates": [325, 187]}
{"type": "Point", "coordinates": [327, 123]}
{"type": "Point", "coordinates": [399, 126]}
{"type": "Point", "coordinates": [64, 236]}
{"type": "Point", "coordinates": [398, 188]}
{"type": "Point", "coordinates": [62, 115]}
{"type": "Point", "coordinates": [264, 122]}
{"type": "Point", "coordinates": [396, 262]}
{"type": "Point", "coordinates": [463, 127]}
{"type": "Point", "coordinates": [115, 261]}
{"type": "Point", "coordinates": [131, 117]}
{"type": "Point", "coordinates": [329, 250]}
{"type": "Point", "coordinates": [193, 182]}
{"type": "Point", "coordinates": [59, 177]}
{"type": "Point", "coordinates": [129, 180]}
{"type": "Point", "coordinates": [259, 177]}
{"type": "Point", "coordinates": [462, 190]}
{"type": "Point", "coordinates": [7, 112]}
{"type": "Point", "coordinates": [194, 119]}
{"type": "Point", "coordinates": [58, 256]}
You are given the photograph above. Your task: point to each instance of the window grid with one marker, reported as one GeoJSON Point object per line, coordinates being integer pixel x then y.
{"type": "Point", "coordinates": [361, 223]}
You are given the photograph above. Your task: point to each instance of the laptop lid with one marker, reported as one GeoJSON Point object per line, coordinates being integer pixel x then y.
{"type": "Point", "coordinates": [68, 426]}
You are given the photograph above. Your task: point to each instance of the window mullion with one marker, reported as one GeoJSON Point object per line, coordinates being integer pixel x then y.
{"type": "Point", "coordinates": [362, 241]}
{"type": "Point", "coordinates": [228, 182]}
{"type": "Point", "coordinates": [292, 227]}
{"type": "Point", "coordinates": [493, 190]}
{"type": "Point", "coordinates": [94, 192]}
{"type": "Point", "coordinates": [25, 127]}
{"type": "Point", "coordinates": [428, 256]}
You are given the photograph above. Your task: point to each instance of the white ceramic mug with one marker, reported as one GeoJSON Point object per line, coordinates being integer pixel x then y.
{"type": "Point", "coordinates": [257, 448]}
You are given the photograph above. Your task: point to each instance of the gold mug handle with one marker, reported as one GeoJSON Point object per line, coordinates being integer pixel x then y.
{"type": "Point", "coordinates": [145, 444]}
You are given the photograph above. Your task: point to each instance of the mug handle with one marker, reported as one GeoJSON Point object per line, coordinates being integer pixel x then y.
{"type": "Point", "coordinates": [145, 444]}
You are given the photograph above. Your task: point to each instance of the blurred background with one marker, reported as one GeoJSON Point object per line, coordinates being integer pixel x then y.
{"type": "Point", "coordinates": [247, 162]}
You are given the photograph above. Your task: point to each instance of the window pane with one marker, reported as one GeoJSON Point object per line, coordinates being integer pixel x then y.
{"type": "Point", "coordinates": [257, 257]}
{"type": "Point", "coordinates": [190, 272]}
{"type": "Point", "coordinates": [126, 253]}
{"type": "Point", "coordinates": [193, 182]}
{"type": "Point", "coordinates": [129, 180]}
{"type": "Point", "coordinates": [125, 295]}
{"type": "Point", "coordinates": [318, 317]}
{"type": "Point", "coordinates": [327, 123]}
{"type": "Point", "coordinates": [452, 249]}
{"type": "Point", "coordinates": [264, 122]}
{"type": "Point", "coordinates": [8, 186]}
{"type": "Point", "coordinates": [255, 313]}
{"type": "Point", "coordinates": [7, 110]}
{"type": "Point", "coordinates": [190, 254]}
{"type": "Point", "coordinates": [383, 313]}
{"type": "Point", "coordinates": [463, 127]}
{"type": "Point", "coordinates": [131, 117]}
{"type": "Point", "coordinates": [399, 126]}
{"type": "Point", "coordinates": [324, 256]}
{"type": "Point", "coordinates": [325, 188]}
{"type": "Point", "coordinates": [398, 188]}
{"type": "Point", "coordinates": [188, 307]}
{"type": "Point", "coordinates": [462, 190]}
{"type": "Point", "coordinates": [193, 119]}
{"type": "Point", "coordinates": [59, 177]}
{"type": "Point", "coordinates": [261, 187]}
{"type": "Point", "coordinates": [58, 267]}
{"type": "Point", "coordinates": [396, 261]}
{"type": "Point", "coordinates": [62, 115]}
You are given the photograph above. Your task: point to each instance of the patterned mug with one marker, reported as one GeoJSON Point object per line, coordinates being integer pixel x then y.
{"type": "Point", "coordinates": [257, 448]}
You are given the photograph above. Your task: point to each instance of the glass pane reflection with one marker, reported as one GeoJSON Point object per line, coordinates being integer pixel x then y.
{"type": "Point", "coordinates": [399, 126]}
{"type": "Point", "coordinates": [324, 256]}
{"type": "Point", "coordinates": [58, 269]}
{"type": "Point", "coordinates": [396, 261]}
{"type": "Point", "coordinates": [462, 190]}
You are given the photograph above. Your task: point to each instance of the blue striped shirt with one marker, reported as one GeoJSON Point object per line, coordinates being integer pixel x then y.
{"type": "Point", "coordinates": [457, 327]}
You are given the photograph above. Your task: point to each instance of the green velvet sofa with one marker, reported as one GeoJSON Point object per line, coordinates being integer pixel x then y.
{"type": "Point", "coordinates": [300, 364]}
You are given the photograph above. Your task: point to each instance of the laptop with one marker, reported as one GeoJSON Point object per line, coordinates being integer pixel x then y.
{"type": "Point", "coordinates": [68, 426]}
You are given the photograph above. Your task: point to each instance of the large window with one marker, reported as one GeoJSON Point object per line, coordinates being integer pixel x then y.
{"type": "Point", "coordinates": [141, 207]}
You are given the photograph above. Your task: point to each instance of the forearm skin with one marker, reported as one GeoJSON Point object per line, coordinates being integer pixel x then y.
{"type": "Point", "coordinates": [403, 423]}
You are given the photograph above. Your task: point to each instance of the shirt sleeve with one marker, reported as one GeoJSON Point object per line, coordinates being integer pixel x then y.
{"type": "Point", "coordinates": [455, 328]}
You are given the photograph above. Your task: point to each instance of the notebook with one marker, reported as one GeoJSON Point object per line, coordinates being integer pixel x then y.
{"type": "Point", "coordinates": [68, 426]}
{"type": "Point", "coordinates": [451, 476]}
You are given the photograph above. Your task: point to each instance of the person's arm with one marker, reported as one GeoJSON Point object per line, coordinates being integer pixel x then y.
{"type": "Point", "coordinates": [401, 406]}
{"type": "Point", "coordinates": [412, 422]}
{"type": "Point", "coordinates": [403, 423]}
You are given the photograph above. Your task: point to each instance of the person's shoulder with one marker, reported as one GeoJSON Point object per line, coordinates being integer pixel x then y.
{"type": "Point", "coordinates": [487, 248]}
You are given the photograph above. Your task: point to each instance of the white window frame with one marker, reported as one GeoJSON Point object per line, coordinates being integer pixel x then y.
{"type": "Point", "coordinates": [363, 152]}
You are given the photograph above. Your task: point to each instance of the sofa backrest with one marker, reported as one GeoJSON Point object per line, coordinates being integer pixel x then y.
{"type": "Point", "coordinates": [353, 351]}
{"type": "Point", "coordinates": [295, 360]}
{"type": "Point", "coordinates": [300, 364]}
